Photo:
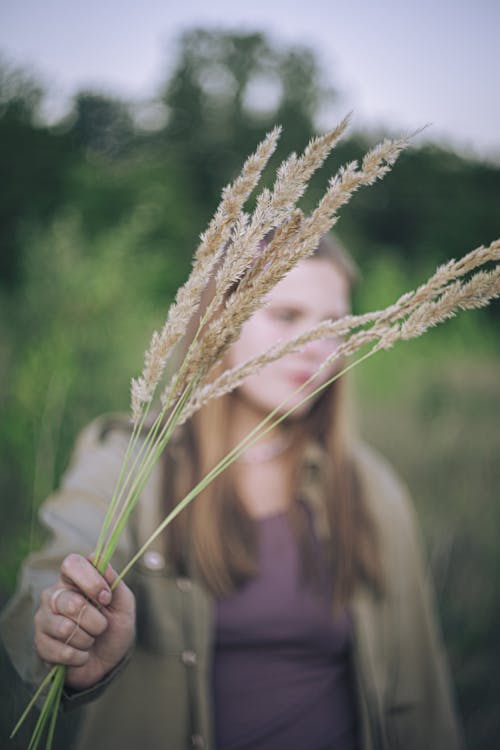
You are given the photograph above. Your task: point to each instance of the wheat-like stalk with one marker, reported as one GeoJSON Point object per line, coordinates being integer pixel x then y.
{"type": "Point", "coordinates": [274, 209]}
{"type": "Point", "coordinates": [297, 239]}
{"type": "Point", "coordinates": [413, 312]}
{"type": "Point", "coordinates": [206, 257]}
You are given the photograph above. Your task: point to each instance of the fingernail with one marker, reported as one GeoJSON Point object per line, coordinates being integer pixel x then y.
{"type": "Point", "coordinates": [104, 597]}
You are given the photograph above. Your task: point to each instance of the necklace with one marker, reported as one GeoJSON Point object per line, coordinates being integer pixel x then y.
{"type": "Point", "coordinates": [261, 452]}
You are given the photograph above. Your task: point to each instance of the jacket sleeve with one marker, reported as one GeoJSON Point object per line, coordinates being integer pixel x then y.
{"type": "Point", "coordinates": [73, 517]}
{"type": "Point", "coordinates": [404, 648]}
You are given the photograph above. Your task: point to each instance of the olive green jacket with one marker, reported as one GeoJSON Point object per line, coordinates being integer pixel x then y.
{"type": "Point", "coordinates": [160, 697]}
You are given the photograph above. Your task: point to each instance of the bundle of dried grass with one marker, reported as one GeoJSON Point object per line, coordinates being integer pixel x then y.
{"type": "Point", "coordinates": [238, 269]}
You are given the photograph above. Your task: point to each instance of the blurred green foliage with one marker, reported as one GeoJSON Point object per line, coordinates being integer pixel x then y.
{"type": "Point", "coordinates": [99, 216]}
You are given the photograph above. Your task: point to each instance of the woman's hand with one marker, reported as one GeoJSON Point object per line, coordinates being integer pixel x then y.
{"type": "Point", "coordinates": [84, 625]}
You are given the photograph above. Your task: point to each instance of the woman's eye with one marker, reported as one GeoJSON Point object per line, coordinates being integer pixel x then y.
{"type": "Point", "coordinates": [284, 314]}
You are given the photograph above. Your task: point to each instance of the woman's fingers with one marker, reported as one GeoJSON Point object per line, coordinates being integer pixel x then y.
{"type": "Point", "coordinates": [55, 652]}
{"type": "Point", "coordinates": [53, 599]}
{"type": "Point", "coordinates": [78, 572]}
{"type": "Point", "coordinates": [74, 607]}
{"type": "Point", "coordinates": [69, 633]}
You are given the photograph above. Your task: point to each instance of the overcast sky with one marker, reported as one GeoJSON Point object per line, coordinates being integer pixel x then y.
{"type": "Point", "coordinates": [397, 63]}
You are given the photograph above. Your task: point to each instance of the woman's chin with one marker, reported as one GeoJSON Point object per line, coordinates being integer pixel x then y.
{"type": "Point", "coordinates": [276, 400]}
{"type": "Point", "coordinates": [298, 406]}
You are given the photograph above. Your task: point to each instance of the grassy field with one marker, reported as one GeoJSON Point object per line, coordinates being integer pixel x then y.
{"type": "Point", "coordinates": [436, 415]}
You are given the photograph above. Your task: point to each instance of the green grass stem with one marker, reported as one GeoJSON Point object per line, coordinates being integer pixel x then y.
{"type": "Point", "coordinates": [143, 475]}
{"type": "Point", "coordinates": [41, 688]}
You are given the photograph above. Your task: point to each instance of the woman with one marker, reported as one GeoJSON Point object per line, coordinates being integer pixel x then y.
{"type": "Point", "coordinates": [287, 608]}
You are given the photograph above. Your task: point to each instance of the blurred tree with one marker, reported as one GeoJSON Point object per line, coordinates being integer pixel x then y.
{"type": "Point", "coordinates": [101, 124]}
{"type": "Point", "coordinates": [226, 91]}
{"type": "Point", "coordinates": [34, 161]}
{"type": "Point", "coordinates": [20, 94]}
{"type": "Point", "coordinates": [436, 204]}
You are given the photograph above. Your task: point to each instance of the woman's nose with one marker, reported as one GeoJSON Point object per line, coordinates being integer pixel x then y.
{"type": "Point", "coordinates": [320, 349]}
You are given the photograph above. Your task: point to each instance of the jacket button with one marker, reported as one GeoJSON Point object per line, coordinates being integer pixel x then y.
{"type": "Point", "coordinates": [189, 658]}
{"type": "Point", "coordinates": [197, 740]}
{"type": "Point", "coordinates": [184, 584]}
{"type": "Point", "coordinates": [153, 560]}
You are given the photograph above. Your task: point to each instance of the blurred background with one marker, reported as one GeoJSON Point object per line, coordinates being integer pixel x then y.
{"type": "Point", "coordinates": [119, 125]}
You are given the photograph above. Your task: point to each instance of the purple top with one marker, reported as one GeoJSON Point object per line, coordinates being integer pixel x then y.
{"type": "Point", "coordinates": [282, 668]}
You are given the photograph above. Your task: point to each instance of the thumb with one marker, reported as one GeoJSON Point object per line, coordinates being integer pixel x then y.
{"type": "Point", "coordinates": [123, 599]}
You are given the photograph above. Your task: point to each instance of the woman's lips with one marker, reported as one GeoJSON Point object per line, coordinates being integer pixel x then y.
{"type": "Point", "coordinates": [299, 378]}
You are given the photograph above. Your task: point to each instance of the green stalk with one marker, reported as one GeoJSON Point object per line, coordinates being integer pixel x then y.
{"type": "Point", "coordinates": [115, 500]}
{"type": "Point", "coordinates": [122, 491]}
{"type": "Point", "coordinates": [142, 457]}
{"type": "Point", "coordinates": [150, 437]}
{"type": "Point", "coordinates": [56, 700]}
{"type": "Point", "coordinates": [49, 710]}
{"type": "Point", "coordinates": [142, 477]}
{"type": "Point", "coordinates": [46, 681]}
{"type": "Point", "coordinates": [116, 513]}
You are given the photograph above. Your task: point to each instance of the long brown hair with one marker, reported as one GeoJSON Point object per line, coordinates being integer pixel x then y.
{"type": "Point", "coordinates": [217, 536]}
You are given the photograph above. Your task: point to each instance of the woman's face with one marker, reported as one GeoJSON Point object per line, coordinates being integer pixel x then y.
{"type": "Point", "coordinates": [312, 292]}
